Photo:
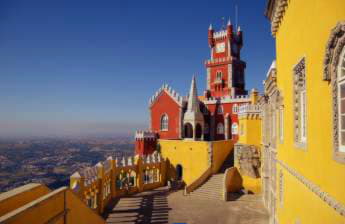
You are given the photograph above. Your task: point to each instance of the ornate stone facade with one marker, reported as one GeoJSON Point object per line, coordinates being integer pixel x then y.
{"type": "Point", "coordinates": [335, 45]}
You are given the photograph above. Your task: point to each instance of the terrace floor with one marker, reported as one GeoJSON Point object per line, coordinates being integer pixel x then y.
{"type": "Point", "coordinates": [161, 206]}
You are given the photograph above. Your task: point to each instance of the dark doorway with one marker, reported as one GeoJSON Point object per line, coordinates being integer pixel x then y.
{"type": "Point", "coordinates": [179, 172]}
{"type": "Point", "coordinates": [188, 130]}
{"type": "Point", "coordinates": [198, 131]}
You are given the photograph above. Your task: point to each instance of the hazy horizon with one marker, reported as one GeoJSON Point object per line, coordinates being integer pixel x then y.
{"type": "Point", "coordinates": [86, 68]}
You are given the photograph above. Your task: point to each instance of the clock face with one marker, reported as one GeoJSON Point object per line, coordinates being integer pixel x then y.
{"type": "Point", "coordinates": [220, 47]}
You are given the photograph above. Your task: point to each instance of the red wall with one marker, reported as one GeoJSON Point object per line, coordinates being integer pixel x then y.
{"type": "Point", "coordinates": [165, 105]}
{"type": "Point", "coordinates": [145, 146]}
{"type": "Point", "coordinates": [227, 108]}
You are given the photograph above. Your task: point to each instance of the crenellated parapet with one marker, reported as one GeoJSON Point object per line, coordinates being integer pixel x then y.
{"type": "Point", "coordinates": [249, 111]}
{"type": "Point", "coordinates": [118, 176]}
{"type": "Point", "coordinates": [227, 99]}
{"type": "Point", "coordinates": [171, 92]}
{"type": "Point", "coordinates": [145, 135]}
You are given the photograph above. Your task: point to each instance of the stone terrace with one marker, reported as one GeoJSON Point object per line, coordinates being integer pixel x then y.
{"type": "Point", "coordinates": [162, 207]}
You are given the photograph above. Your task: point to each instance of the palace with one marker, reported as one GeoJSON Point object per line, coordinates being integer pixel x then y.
{"type": "Point", "coordinates": [212, 116]}
{"type": "Point", "coordinates": [286, 146]}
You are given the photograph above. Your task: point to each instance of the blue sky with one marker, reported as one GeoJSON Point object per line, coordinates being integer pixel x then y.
{"type": "Point", "coordinates": [80, 67]}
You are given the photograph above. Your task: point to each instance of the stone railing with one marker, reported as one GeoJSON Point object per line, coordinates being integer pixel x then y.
{"type": "Point", "coordinates": [249, 108]}
{"type": "Point", "coordinates": [198, 182]}
{"type": "Point", "coordinates": [97, 185]}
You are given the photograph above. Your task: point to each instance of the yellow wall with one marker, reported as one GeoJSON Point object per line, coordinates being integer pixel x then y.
{"type": "Point", "coordinates": [20, 196]}
{"type": "Point", "coordinates": [252, 136]}
{"type": "Point", "coordinates": [304, 32]}
{"type": "Point", "coordinates": [252, 131]}
{"type": "Point", "coordinates": [50, 208]}
{"type": "Point", "coordinates": [221, 150]}
{"type": "Point", "coordinates": [192, 155]}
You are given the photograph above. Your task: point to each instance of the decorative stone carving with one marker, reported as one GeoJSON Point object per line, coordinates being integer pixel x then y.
{"type": "Point", "coordinates": [335, 45]}
{"type": "Point", "coordinates": [248, 159]}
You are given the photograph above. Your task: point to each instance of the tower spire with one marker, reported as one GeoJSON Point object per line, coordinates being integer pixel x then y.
{"type": "Point", "coordinates": [229, 22]}
{"type": "Point", "coordinates": [193, 102]}
{"type": "Point", "coordinates": [210, 27]}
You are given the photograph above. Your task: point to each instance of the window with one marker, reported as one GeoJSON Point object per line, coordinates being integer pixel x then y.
{"type": "Point", "coordinates": [220, 109]}
{"type": "Point", "coordinates": [220, 128]}
{"type": "Point", "coordinates": [235, 109]}
{"type": "Point", "coordinates": [281, 124]}
{"type": "Point", "coordinates": [164, 123]}
{"type": "Point", "coordinates": [219, 75]}
{"type": "Point", "coordinates": [300, 102]}
{"type": "Point", "coordinates": [341, 101]}
{"type": "Point", "coordinates": [234, 129]}
{"type": "Point", "coordinates": [334, 73]}
{"type": "Point", "coordinates": [303, 116]}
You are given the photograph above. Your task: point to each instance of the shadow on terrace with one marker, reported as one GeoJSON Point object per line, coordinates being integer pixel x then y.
{"type": "Point", "coordinates": [146, 207]}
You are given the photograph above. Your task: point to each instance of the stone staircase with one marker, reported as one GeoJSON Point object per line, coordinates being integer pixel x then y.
{"type": "Point", "coordinates": [213, 188]}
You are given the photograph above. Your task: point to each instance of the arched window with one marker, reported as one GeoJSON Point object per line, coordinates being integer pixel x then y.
{"type": "Point", "coordinates": [334, 72]}
{"type": "Point", "coordinates": [235, 109]}
{"type": "Point", "coordinates": [220, 128]}
{"type": "Point", "coordinates": [188, 130]}
{"type": "Point", "coordinates": [234, 129]}
{"type": "Point", "coordinates": [164, 122]}
{"type": "Point", "coordinates": [219, 75]}
{"type": "Point", "coordinates": [198, 131]}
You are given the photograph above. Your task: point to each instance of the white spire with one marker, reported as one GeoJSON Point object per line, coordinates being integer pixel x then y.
{"type": "Point", "coordinates": [210, 27]}
{"type": "Point", "coordinates": [229, 22]}
{"type": "Point", "coordinates": [193, 102]}
{"type": "Point", "coordinates": [238, 29]}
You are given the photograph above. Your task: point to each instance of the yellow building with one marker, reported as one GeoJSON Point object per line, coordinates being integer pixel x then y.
{"type": "Point", "coordinates": [303, 123]}
{"type": "Point", "coordinates": [247, 150]}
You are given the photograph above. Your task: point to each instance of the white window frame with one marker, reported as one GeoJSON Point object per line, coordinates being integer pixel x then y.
{"type": "Point", "coordinates": [219, 75]}
{"type": "Point", "coordinates": [235, 109]}
{"type": "Point", "coordinates": [303, 116]}
{"type": "Point", "coordinates": [340, 82]}
{"type": "Point", "coordinates": [281, 124]}
{"type": "Point", "coordinates": [164, 122]}
{"type": "Point", "coordinates": [234, 129]}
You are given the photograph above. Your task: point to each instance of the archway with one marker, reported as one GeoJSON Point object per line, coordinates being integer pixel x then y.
{"type": "Point", "coordinates": [198, 131]}
{"type": "Point", "coordinates": [188, 130]}
{"type": "Point", "coordinates": [179, 172]}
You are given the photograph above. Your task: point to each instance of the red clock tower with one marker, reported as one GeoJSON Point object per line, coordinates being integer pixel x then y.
{"type": "Point", "coordinates": [225, 69]}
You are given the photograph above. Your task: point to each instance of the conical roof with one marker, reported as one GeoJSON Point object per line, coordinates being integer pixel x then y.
{"type": "Point", "coordinates": [193, 101]}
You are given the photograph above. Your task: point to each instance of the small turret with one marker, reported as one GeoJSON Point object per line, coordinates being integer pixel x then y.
{"type": "Point", "coordinates": [210, 36]}
{"type": "Point", "coordinates": [240, 36]}
{"type": "Point", "coordinates": [229, 29]}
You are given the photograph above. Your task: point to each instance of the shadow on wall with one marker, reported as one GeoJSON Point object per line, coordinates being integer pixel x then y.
{"type": "Point", "coordinates": [149, 207]}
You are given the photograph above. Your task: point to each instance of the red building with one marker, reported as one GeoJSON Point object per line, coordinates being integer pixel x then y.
{"type": "Point", "coordinates": [210, 117]}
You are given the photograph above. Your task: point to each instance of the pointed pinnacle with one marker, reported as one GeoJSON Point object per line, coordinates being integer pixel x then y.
{"type": "Point", "coordinates": [238, 29]}
{"type": "Point", "coordinates": [229, 22]}
{"type": "Point", "coordinates": [210, 27]}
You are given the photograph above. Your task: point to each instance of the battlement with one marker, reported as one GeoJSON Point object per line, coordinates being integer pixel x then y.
{"type": "Point", "coordinates": [220, 34]}
{"type": "Point", "coordinates": [145, 135]}
{"type": "Point", "coordinates": [227, 99]}
{"type": "Point", "coordinates": [171, 92]}
{"type": "Point", "coordinates": [251, 111]}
